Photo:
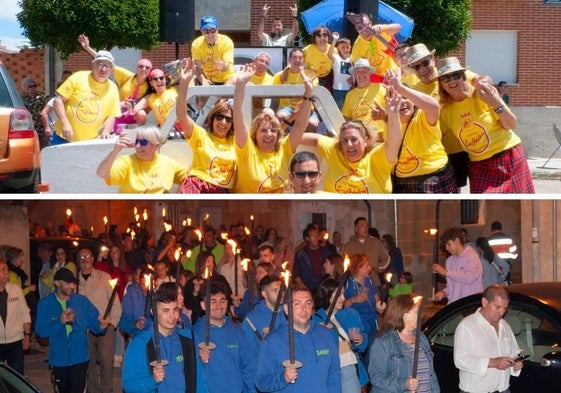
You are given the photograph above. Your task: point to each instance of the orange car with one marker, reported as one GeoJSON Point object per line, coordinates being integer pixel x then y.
{"type": "Point", "coordinates": [19, 143]}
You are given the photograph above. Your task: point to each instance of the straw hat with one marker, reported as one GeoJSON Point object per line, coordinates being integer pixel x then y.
{"type": "Point", "coordinates": [361, 63]}
{"type": "Point", "coordinates": [417, 52]}
{"type": "Point", "coordinates": [448, 65]}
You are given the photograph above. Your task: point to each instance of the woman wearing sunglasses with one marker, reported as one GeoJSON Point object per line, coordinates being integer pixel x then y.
{"type": "Point", "coordinates": [144, 171]}
{"type": "Point", "coordinates": [263, 154]}
{"type": "Point", "coordinates": [475, 115]}
{"type": "Point", "coordinates": [161, 99]}
{"type": "Point", "coordinates": [213, 170]}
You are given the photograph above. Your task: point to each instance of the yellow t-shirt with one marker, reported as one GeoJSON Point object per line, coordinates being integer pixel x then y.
{"type": "Point", "coordinates": [265, 79]}
{"type": "Point", "coordinates": [359, 104]}
{"type": "Point", "coordinates": [422, 152]}
{"type": "Point", "coordinates": [162, 104]}
{"type": "Point", "coordinates": [317, 60]}
{"type": "Point", "coordinates": [135, 176]}
{"type": "Point", "coordinates": [128, 85]}
{"type": "Point", "coordinates": [223, 50]}
{"type": "Point", "coordinates": [367, 176]}
{"type": "Point", "coordinates": [410, 79]}
{"type": "Point", "coordinates": [89, 103]}
{"type": "Point", "coordinates": [260, 172]}
{"type": "Point", "coordinates": [214, 159]}
{"type": "Point", "coordinates": [375, 52]}
{"type": "Point", "coordinates": [292, 79]}
{"type": "Point", "coordinates": [477, 128]}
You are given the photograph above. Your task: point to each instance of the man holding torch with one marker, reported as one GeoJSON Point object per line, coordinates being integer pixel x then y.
{"type": "Point", "coordinates": [96, 285]}
{"type": "Point", "coordinates": [64, 317]}
{"type": "Point", "coordinates": [182, 373]}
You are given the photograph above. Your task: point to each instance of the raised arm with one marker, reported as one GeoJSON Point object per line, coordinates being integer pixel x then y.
{"type": "Point", "coordinates": [241, 131]}
{"type": "Point", "coordinates": [303, 113]}
{"type": "Point", "coordinates": [85, 43]}
{"type": "Point", "coordinates": [294, 31]}
{"type": "Point", "coordinates": [426, 103]}
{"type": "Point", "coordinates": [334, 38]}
{"type": "Point", "coordinates": [393, 141]}
{"type": "Point", "coordinates": [261, 25]}
{"type": "Point", "coordinates": [489, 94]}
{"type": "Point", "coordinates": [104, 168]}
{"type": "Point", "coordinates": [187, 75]}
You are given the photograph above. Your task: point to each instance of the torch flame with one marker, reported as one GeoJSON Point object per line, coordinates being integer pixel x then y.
{"type": "Point", "coordinates": [199, 234]}
{"type": "Point", "coordinates": [286, 276]}
{"type": "Point", "coordinates": [417, 299]}
{"type": "Point", "coordinates": [137, 217]}
{"type": "Point", "coordinates": [346, 262]}
{"type": "Point", "coordinates": [284, 265]}
{"type": "Point", "coordinates": [224, 236]}
{"type": "Point", "coordinates": [68, 212]}
{"type": "Point", "coordinates": [247, 231]}
{"type": "Point", "coordinates": [105, 220]}
{"type": "Point", "coordinates": [113, 282]}
{"type": "Point", "coordinates": [245, 264]}
{"type": "Point", "coordinates": [164, 212]}
{"type": "Point", "coordinates": [251, 217]}
{"type": "Point", "coordinates": [207, 273]}
{"type": "Point", "coordinates": [326, 236]}
{"type": "Point", "coordinates": [188, 221]}
{"type": "Point", "coordinates": [184, 223]}
{"type": "Point", "coordinates": [389, 277]}
{"type": "Point", "coordinates": [147, 281]}
{"type": "Point", "coordinates": [207, 216]}
{"type": "Point", "coordinates": [167, 226]}
{"type": "Point", "coordinates": [188, 254]}
{"type": "Point", "coordinates": [133, 234]}
{"type": "Point", "coordinates": [145, 215]}
{"type": "Point", "coordinates": [177, 253]}
{"type": "Point", "coordinates": [232, 244]}
{"type": "Point", "coordinates": [135, 211]}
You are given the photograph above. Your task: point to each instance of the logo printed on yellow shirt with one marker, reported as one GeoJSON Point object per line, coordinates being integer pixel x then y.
{"type": "Point", "coordinates": [88, 109]}
{"type": "Point", "coordinates": [408, 162]}
{"type": "Point", "coordinates": [473, 135]}
{"type": "Point", "coordinates": [351, 184]}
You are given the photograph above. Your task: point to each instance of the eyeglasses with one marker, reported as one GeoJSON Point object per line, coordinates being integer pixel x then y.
{"type": "Point", "coordinates": [265, 131]}
{"type": "Point", "coordinates": [141, 142]}
{"type": "Point", "coordinates": [158, 78]}
{"type": "Point", "coordinates": [450, 77]}
{"type": "Point", "coordinates": [84, 257]}
{"type": "Point", "coordinates": [324, 35]}
{"type": "Point", "coordinates": [209, 31]}
{"type": "Point", "coordinates": [302, 175]}
{"type": "Point", "coordinates": [425, 63]}
{"type": "Point", "coordinates": [100, 65]}
{"type": "Point", "coordinates": [221, 117]}
{"type": "Point", "coordinates": [144, 67]}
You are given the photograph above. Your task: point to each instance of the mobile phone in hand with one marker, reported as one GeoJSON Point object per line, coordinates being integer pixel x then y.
{"type": "Point", "coordinates": [521, 358]}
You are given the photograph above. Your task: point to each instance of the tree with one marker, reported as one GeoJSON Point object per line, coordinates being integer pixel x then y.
{"type": "Point", "coordinates": [442, 25]}
{"type": "Point", "coordinates": [108, 23]}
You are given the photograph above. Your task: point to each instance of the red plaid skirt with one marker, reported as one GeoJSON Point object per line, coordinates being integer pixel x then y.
{"type": "Point", "coordinates": [504, 173]}
{"type": "Point", "coordinates": [194, 185]}
{"type": "Point", "coordinates": [442, 181]}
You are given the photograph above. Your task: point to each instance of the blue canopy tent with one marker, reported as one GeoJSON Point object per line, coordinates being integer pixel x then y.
{"type": "Point", "coordinates": [330, 13]}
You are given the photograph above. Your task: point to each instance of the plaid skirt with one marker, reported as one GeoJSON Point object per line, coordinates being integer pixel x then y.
{"type": "Point", "coordinates": [194, 185]}
{"type": "Point", "coordinates": [505, 173]}
{"type": "Point", "coordinates": [442, 181]}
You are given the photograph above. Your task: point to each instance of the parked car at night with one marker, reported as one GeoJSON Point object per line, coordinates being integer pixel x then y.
{"type": "Point", "coordinates": [12, 382]}
{"type": "Point", "coordinates": [534, 314]}
{"type": "Point", "coordinates": [19, 144]}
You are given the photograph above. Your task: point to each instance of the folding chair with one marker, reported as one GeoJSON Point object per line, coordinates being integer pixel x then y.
{"type": "Point", "coordinates": [557, 134]}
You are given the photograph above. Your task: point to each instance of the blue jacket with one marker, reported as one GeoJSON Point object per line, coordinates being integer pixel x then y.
{"type": "Point", "coordinates": [391, 363]}
{"type": "Point", "coordinates": [137, 374]}
{"type": "Point", "coordinates": [260, 317]}
{"type": "Point", "coordinates": [348, 318]}
{"type": "Point", "coordinates": [67, 349]}
{"type": "Point", "coordinates": [229, 367]}
{"type": "Point", "coordinates": [133, 308]}
{"type": "Point", "coordinates": [245, 305]}
{"type": "Point", "coordinates": [315, 349]}
{"type": "Point", "coordinates": [367, 309]}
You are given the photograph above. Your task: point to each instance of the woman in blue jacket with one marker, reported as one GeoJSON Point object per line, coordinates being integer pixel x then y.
{"type": "Point", "coordinates": [349, 341]}
{"type": "Point", "coordinates": [391, 356]}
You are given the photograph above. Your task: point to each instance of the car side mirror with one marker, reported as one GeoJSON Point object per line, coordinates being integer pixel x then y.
{"type": "Point", "coordinates": [552, 359]}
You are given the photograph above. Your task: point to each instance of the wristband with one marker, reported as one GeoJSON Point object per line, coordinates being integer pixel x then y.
{"type": "Point", "coordinates": [311, 99]}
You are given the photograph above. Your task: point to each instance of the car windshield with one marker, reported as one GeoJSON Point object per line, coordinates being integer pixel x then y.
{"type": "Point", "coordinates": [536, 333]}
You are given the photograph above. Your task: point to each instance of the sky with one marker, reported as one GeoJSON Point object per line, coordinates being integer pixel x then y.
{"type": "Point", "coordinates": [10, 31]}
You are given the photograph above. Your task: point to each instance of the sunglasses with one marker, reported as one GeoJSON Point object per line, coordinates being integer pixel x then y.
{"type": "Point", "coordinates": [101, 65]}
{"type": "Point", "coordinates": [221, 117]}
{"type": "Point", "coordinates": [144, 67]}
{"type": "Point", "coordinates": [450, 77]}
{"type": "Point", "coordinates": [302, 175]}
{"type": "Point", "coordinates": [158, 78]}
{"type": "Point", "coordinates": [209, 31]}
{"type": "Point", "coordinates": [141, 142]}
{"type": "Point", "coordinates": [324, 35]}
{"type": "Point", "coordinates": [417, 67]}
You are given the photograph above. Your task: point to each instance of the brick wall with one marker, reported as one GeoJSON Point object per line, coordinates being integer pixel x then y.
{"type": "Point", "coordinates": [538, 55]}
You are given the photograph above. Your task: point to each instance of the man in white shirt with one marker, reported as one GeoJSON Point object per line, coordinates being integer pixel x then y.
{"type": "Point", "coordinates": [485, 349]}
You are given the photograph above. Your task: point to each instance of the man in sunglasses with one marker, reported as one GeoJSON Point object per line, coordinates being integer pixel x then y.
{"type": "Point", "coordinates": [213, 54]}
{"type": "Point", "coordinates": [304, 172]}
